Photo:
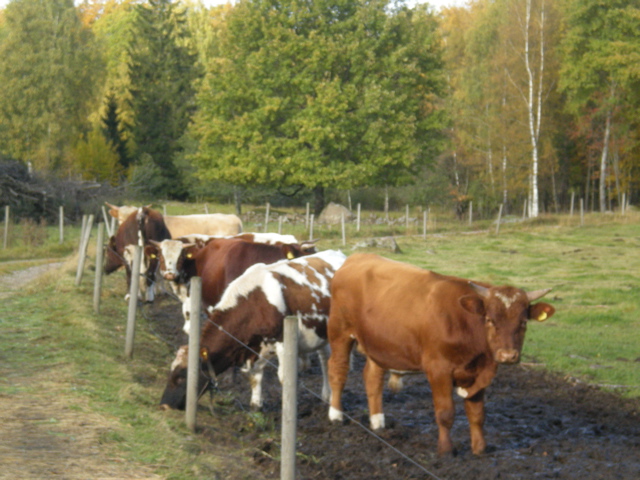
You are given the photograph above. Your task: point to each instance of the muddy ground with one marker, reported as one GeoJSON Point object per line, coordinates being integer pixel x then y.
{"type": "Point", "coordinates": [537, 426]}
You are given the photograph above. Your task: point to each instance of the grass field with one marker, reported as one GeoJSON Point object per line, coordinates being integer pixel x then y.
{"type": "Point", "coordinates": [50, 328]}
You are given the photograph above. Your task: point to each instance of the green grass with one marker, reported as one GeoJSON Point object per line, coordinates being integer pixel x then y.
{"type": "Point", "coordinates": [593, 337]}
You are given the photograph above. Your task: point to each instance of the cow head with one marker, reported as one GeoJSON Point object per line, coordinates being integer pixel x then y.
{"type": "Point", "coordinates": [113, 260]}
{"type": "Point", "coordinates": [175, 393]}
{"type": "Point", "coordinates": [120, 213]}
{"type": "Point", "coordinates": [172, 255]}
{"type": "Point", "coordinates": [506, 311]}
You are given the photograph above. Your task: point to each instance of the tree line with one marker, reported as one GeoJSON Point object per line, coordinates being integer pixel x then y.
{"type": "Point", "coordinates": [506, 102]}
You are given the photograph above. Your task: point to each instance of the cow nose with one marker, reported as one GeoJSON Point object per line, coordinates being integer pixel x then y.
{"type": "Point", "coordinates": [507, 356]}
{"type": "Point", "coordinates": [169, 276]}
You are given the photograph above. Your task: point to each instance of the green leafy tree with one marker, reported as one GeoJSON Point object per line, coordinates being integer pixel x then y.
{"type": "Point", "coordinates": [162, 72]}
{"type": "Point", "coordinates": [600, 73]}
{"type": "Point", "coordinates": [330, 93]}
{"type": "Point", "coordinates": [49, 72]}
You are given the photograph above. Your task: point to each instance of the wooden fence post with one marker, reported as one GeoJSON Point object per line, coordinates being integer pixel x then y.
{"type": "Point", "coordinates": [470, 213]}
{"type": "Point", "coordinates": [311, 227]}
{"type": "Point", "coordinates": [193, 368]}
{"type": "Point", "coordinates": [84, 244]}
{"type": "Point", "coordinates": [623, 207]}
{"type": "Point", "coordinates": [133, 301]}
{"type": "Point", "coordinates": [106, 221]}
{"type": "Point", "coordinates": [61, 215]}
{"type": "Point", "coordinates": [499, 218]}
{"type": "Point", "coordinates": [97, 284]}
{"type": "Point", "coordinates": [266, 218]}
{"type": "Point", "coordinates": [406, 217]}
{"type": "Point", "coordinates": [424, 224]}
{"type": "Point", "coordinates": [306, 217]}
{"type": "Point", "coordinates": [358, 219]}
{"type": "Point", "coordinates": [280, 219]}
{"type": "Point", "coordinates": [6, 226]}
{"type": "Point", "coordinates": [289, 399]}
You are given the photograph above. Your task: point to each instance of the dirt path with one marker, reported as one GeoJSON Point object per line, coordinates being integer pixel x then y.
{"type": "Point", "coordinates": [13, 282]}
{"type": "Point", "coordinates": [42, 438]}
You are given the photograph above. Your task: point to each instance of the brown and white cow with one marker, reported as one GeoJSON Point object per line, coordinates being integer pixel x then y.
{"type": "Point", "coordinates": [252, 310]}
{"type": "Point", "coordinates": [139, 228]}
{"type": "Point", "coordinates": [177, 258]}
{"type": "Point", "coordinates": [406, 319]}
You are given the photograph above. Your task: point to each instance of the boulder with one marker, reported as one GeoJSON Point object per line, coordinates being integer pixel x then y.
{"type": "Point", "coordinates": [332, 214]}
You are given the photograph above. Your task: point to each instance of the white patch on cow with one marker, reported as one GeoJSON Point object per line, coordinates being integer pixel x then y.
{"type": "Point", "coordinates": [508, 301]}
{"type": "Point", "coordinates": [273, 238]}
{"type": "Point", "coordinates": [182, 356]}
{"type": "Point", "coordinates": [462, 392]}
{"type": "Point", "coordinates": [335, 415]}
{"type": "Point", "coordinates": [377, 421]}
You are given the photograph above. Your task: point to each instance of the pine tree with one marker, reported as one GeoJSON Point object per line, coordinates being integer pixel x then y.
{"type": "Point", "coordinates": [162, 71]}
{"type": "Point", "coordinates": [112, 130]}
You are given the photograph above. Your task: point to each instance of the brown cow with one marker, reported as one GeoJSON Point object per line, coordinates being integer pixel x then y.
{"type": "Point", "coordinates": [252, 309]}
{"type": "Point", "coordinates": [139, 228]}
{"type": "Point", "coordinates": [406, 319]}
{"type": "Point", "coordinates": [223, 260]}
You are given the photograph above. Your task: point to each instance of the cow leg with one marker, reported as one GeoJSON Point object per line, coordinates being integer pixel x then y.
{"type": "Point", "coordinates": [338, 366]}
{"type": "Point", "coordinates": [474, 407]}
{"type": "Point", "coordinates": [255, 372]}
{"type": "Point", "coordinates": [323, 356]}
{"type": "Point", "coordinates": [442, 391]}
{"type": "Point", "coordinates": [374, 383]}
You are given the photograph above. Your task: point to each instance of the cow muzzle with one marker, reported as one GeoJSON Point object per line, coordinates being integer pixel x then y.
{"type": "Point", "coordinates": [507, 356]}
{"type": "Point", "coordinates": [169, 276]}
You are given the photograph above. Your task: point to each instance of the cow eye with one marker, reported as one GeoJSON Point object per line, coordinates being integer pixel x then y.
{"type": "Point", "coordinates": [490, 321]}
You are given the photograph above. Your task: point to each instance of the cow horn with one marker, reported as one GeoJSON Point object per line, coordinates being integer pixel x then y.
{"type": "Point", "coordinates": [480, 290]}
{"type": "Point", "coordinates": [537, 294]}
{"type": "Point", "coordinates": [111, 206]}
{"type": "Point", "coordinates": [154, 242]}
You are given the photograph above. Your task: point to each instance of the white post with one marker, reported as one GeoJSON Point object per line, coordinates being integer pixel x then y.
{"type": "Point", "coordinates": [349, 198]}
{"type": "Point", "coordinates": [97, 284]}
{"type": "Point", "coordinates": [344, 233]}
{"type": "Point", "coordinates": [470, 213]}
{"type": "Point", "coordinates": [311, 226]}
{"type": "Point", "coordinates": [624, 204]}
{"type": "Point", "coordinates": [280, 225]}
{"type": "Point", "coordinates": [266, 218]}
{"type": "Point", "coordinates": [424, 224]}
{"type": "Point", "coordinates": [82, 254]}
{"type": "Point", "coordinates": [61, 223]}
{"type": "Point", "coordinates": [106, 220]}
{"type": "Point", "coordinates": [358, 222]}
{"type": "Point", "coordinates": [133, 301]}
{"type": "Point", "coordinates": [499, 218]}
{"type": "Point", "coordinates": [206, 209]}
{"type": "Point", "coordinates": [6, 226]}
{"type": "Point", "coordinates": [306, 217]}
{"type": "Point", "coordinates": [406, 218]}
{"type": "Point", "coordinates": [194, 353]}
{"type": "Point", "coordinates": [164, 210]}
{"type": "Point", "coordinates": [289, 399]}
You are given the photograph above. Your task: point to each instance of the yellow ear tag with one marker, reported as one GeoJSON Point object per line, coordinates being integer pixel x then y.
{"type": "Point", "coordinates": [204, 354]}
{"type": "Point", "coordinates": [290, 255]}
{"type": "Point", "coordinates": [189, 255]}
{"type": "Point", "coordinates": [542, 317]}
{"type": "Point", "coordinates": [153, 255]}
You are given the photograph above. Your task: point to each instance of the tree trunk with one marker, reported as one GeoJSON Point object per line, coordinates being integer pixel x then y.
{"type": "Point", "coordinates": [603, 163]}
{"type": "Point", "coordinates": [318, 200]}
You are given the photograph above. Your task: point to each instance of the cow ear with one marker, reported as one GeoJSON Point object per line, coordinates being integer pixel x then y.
{"type": "Point", "coordinates": [540, 311]}
{"type": "Point", "coordinates": [473, 304]}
